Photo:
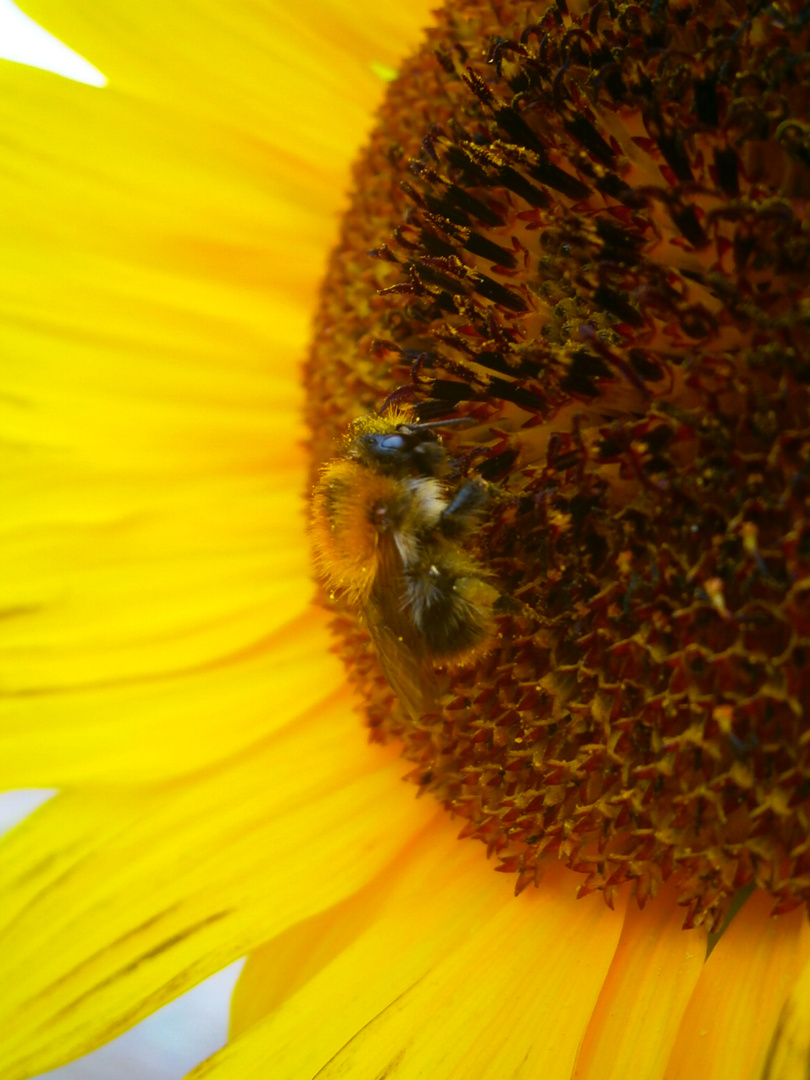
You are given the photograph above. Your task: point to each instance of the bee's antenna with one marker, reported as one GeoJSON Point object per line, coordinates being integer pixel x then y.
{"type": "Point", "coordinates": [426, 424]}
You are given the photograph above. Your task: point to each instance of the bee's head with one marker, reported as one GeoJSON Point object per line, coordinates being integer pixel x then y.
{"type": "Point", "coordinates": [408, 450]}
{"type": "Point", "coordinates": [396, 444]}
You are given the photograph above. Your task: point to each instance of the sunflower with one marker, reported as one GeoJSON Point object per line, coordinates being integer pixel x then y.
{"type": "Point", "coordinates": [164, 666]}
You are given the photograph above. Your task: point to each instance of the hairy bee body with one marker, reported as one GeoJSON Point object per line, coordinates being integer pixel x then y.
{"type": "Point", "coordinates": [389, 534]}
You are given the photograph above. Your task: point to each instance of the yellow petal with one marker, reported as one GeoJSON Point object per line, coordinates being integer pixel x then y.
{"type": "Point", "coordinates": [270, 97]}
{"type": "Point", "coordinates": [155, 727]}
{"type": "Point", "coordinates": [114, 903]}
{"type": "Point", "coordinates": [438, 972]}
{"type": "Point", "coordinates": [163, 242]}
{"type": "Point", "coordinates": [740, 998]}
{"type": "Point", "coordinates": [237, 56]}
{"type": "Point", "coordinates": [164, 239]}
{"type": "Point", "coordinates": [789, 1050]}
{"type": "Point", "coordinates": [636, 1019]}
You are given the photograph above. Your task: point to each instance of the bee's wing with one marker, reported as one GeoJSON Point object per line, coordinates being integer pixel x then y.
{"type": "Point", "coordinates": [409, 674]}
{"type": "Point", "coordinates": [399, 645]}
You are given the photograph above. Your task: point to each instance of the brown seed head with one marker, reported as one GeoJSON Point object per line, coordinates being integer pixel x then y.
{"type": "Point", "coordinates": [588, 231]}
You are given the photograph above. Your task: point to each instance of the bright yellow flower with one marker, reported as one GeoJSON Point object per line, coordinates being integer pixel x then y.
{"type": "Point", "coordinates": [163, 664]}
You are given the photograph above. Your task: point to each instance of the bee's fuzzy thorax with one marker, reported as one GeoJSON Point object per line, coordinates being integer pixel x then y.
{"type": "Point", "coordinates": [345, 539]}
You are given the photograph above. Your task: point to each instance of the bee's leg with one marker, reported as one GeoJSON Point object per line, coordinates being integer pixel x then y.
{"type": "Point", "coordinates": [461, 513]}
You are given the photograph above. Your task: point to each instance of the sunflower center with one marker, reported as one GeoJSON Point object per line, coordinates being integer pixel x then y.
{"type": "Point", "coordinates": [587, 232]}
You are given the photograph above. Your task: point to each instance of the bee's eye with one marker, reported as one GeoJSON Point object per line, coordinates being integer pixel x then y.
{"type": "Point", "coordinates": [385, 447]}
{"type": "Point", "coordinates": [391, 442]}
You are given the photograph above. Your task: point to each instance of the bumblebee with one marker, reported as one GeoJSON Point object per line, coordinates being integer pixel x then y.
{"type": "Point", "coordinates": [389, 531]}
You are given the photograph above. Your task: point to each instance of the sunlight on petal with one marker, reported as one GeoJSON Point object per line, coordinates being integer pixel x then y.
{"type": "Point", "coordinates": [25, 42]}
{"type": "Point", "coordinates": [384, 71]}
